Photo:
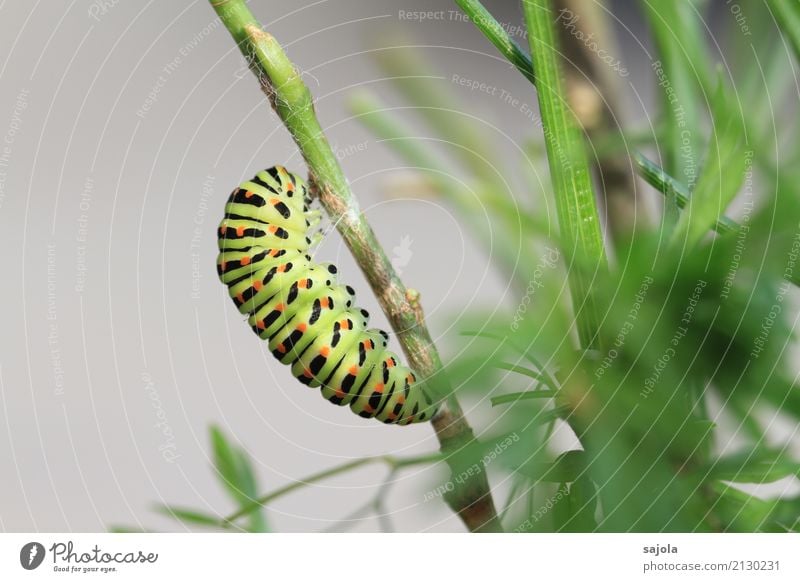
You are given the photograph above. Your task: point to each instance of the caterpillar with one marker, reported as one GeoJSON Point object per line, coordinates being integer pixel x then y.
{"type": "Point", "coordinates": [307, 317]}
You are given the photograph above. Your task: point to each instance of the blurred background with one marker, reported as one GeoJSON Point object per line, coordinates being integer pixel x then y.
{"type": "Point", "coordinates": [126, 125]}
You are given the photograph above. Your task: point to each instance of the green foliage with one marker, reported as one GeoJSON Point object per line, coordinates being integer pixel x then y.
{"type": "Point", "coordinates": [578, 216]}
{"type": "Point", "coordinates": [692, 334]}
{"type": "Point", "coordinates": [234, 470]}
{"type": "Point", "coordinates": [690, 327]}
{"type": "Point", "coordinates": [722, 175]}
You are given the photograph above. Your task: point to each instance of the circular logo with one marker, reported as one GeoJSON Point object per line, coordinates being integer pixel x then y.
{"type": "Point", "coordinates": [31, 555]}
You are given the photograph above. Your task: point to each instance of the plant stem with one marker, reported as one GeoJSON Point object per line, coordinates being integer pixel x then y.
{"type": "Point", "coordinates": [676, 72]}
{"type": "Point", "coordinates": [575, 200]}
{"type": "Point", "coordinates": [671, 188]}
{"type": "Point", "coordinates": [294, 104]}
{"type": "Point", "coordinates": [592, 86]}
{"type": "Point", "coordinates": [569, 169]}
{"type": "Point", "coordinates": [517, 396]}
{"type": "Point", "coordinates": [497, 35]}
{"type": "Point", "coordinates": [618, 183]}
{"type": "Point", "coordinates": [392, 462]}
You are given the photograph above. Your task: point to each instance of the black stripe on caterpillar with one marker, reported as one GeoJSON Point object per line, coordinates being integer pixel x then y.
{"type": "Point", "coordinates": [307, 317]}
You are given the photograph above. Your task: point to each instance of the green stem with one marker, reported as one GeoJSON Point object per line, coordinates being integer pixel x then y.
{"type": "Point", "coordinates": [594, 87]}
{"type": "Point", "coordinates": [672, 188]}
{"type": "Point", "coordinates": [392, 462]}
{"type": "Point", "coordinates": [669, 186]}
{"type": "Point", "coordinates": [569, 169]}
{"type": "Point", "coordinates": [517, 396]}
{"type": "Point", "coordinates": [575, 200]}
{"type": "Point", "coordinates": [497, 35]}
{"type": "Point", "coordinates": [294, 104]}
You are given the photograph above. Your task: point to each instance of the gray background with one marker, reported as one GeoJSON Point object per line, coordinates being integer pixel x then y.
{"type": "Point", "coordinates": [110, 376]}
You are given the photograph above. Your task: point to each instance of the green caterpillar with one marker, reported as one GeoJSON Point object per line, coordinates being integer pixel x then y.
{"type": "Point", "coordinates": [298, 306]}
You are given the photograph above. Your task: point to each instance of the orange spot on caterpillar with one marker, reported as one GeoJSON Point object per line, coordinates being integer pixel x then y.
{"type": "Point", "coordinates": [239, 231]}
{"type": "Point", "coordinates": [325, 351]}
{"type": "Point", "coordinates": [260, 324]}
{"type": "Point", "coordinates": [240, 297]}
{"type": "Point", "coordinates": [222, 229]}
{"type": "Point", "coordinates": [324, 302]}
{"type": "Point", "coordinates": [390, 363]}
{"type": "Point", "coordinates": [272, 229]}
{"type": "Point", "coordinates": [366, 345]}
{"type": "Point", "coordinates": [248, 194]}
{"type": "Point", "coordinates": [280, 307]}
{"type": "Point", "coordinates": [302, 283]}
{"type": "Point", "coordinates": [244, 261]}
{"type": "Point", "coordinates": [340, 393]}
{"type": "Point", "coordinates": [307, 373]}
{"type": "Point", "coordinates": [282, 268]}
{"type": "Point", "coordinates": [379, 388]}
{"type": "Point", "coordinates": [281, 348]}
{"type": "Point", "coordinates": [302, 327]}
{"type": "Point", "coordinates": [274, 201]}
{"type": "Point", "coordinates": [257, 284]}
{"type": "Point", "coordinates": [223, 265]}
{"type": "Point", "coordinates": [401, 399]}
{"type": "Point", "coordinates": [274, 252]}
{"type": "Point", "coordinates": [353, 370]}
{"type": "Point", "coordinates": [368, 409]}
